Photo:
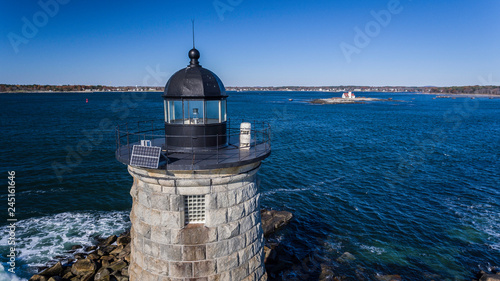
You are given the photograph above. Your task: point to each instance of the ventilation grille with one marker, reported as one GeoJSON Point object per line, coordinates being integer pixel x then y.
{"type": "Point", "coordinates": [194, 208]}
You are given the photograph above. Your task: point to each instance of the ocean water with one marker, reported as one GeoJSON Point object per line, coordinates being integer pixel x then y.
{"type": "Point", "coordinates": [409, 187]}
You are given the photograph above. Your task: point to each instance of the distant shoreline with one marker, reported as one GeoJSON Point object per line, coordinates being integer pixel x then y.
{"type": "Point", "coordinates": [263, 90]}
{"type": "Point", "coordinates": [461, 95]}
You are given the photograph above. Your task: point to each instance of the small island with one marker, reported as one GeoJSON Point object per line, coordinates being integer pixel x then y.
{"type": "Point", "coordinates": [347, 97]}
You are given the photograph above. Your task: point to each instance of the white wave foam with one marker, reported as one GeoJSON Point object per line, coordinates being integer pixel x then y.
{"type": "Point", "coordinates": [373, 249]}
{"type": "Point", "coordinates": [39, 240]}
{"type": "Point", "coordinates": [5, 276]}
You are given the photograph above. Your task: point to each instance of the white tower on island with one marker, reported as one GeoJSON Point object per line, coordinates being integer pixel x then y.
{"type": "Point", "coordinates": [195, 213]}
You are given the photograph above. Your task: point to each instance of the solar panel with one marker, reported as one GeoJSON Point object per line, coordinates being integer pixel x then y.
{"type": "Point", "coordinates": [145, 156]}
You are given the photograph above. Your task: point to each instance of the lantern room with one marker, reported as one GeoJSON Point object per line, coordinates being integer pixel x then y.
{"type": "Point", "coordinates": [195, 108]}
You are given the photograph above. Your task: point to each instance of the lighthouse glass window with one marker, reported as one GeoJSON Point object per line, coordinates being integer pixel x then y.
{"type": "Point", "coordinates": [213, 111]}
{"type": "Point", "coordinates": [194, 208]}
{"type": "Point", "coordinates": [175, 112]}
{"type": "Point", "coordinates": [193, 112]}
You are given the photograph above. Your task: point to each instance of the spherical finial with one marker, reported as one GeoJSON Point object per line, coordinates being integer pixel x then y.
{"type": "Point", "coordinates": [194, 55]}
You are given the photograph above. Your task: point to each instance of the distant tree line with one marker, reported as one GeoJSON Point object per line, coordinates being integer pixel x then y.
{"type": "Point", "coordinates": [72, 88]}
{"type": "Point", "coordinates": [491, 90]}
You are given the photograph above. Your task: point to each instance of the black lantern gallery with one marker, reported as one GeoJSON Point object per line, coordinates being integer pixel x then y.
{"type": "Point", "coordinates": [196, 133]}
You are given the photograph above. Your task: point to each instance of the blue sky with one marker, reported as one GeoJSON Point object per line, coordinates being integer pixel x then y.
{"type": "Point", "coordinates": [252, 43]}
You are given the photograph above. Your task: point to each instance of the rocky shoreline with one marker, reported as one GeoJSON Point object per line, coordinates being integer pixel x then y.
{"type": "Point", "coordinates": [108, 260]}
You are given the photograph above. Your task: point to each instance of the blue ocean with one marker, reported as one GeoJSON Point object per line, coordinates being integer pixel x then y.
{"type": "Point", "coordinates": [408, 186]}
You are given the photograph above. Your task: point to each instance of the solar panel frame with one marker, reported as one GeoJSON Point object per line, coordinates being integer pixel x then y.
{"type": "Point", "coordinates": [145, 156]}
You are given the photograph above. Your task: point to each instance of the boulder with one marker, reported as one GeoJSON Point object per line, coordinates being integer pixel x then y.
{"type": "Point", "coordinates": [327, 273]}
{"type": "Point", "coordinates": [102, 274]}
{"type": "Point", "coordinates": [88, 277]}
{"type": "Point", "coordinates": [102, 251]}
{"type": "Point", "coordinates": [38, 277]}
{"type": "Point", "coordinates": [124, 272]}
{"type": "Point", "coordinates": [76, 247]}
{"type": "Point", "coordinates": [83, 267]}
{"type": "Point", "coordinates": [93, 256]}
{"type": "Point", "coordinates": [388, 277]}
{"type": "Point", "coordinates": [108, 241]}
{"type": "Point", "coordinates": [68, 275]}
{"type": "Point", "coordinates": [55, 270]}
{"type": "Point", "coordinates": [272, 220]}
{"type": "Point", "coordinates": [55, 278]}
{"type": "Point", "coordinates": [106, 260]}
{"type": "Point", "coordinates": [117, 266]}
{"type": "Point", "coordinates": [346, 257]}
{"type": "Point", "coordinates": [125, 252]}
{"type": "Point", "coordinates": [79, 256]}
{"type": "Point", "coordinates": [490, 277]}
{"type": "Point", "coordinates": [117, 250]}
{"type": "Point", "coordinates": [123, 240]}
{"type": "Point", "coordinates": [120, 277]}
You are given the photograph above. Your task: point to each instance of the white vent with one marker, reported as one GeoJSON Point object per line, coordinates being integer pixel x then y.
{"type": "Point", "coordinates": [194, 208]}
{"type": "Point", "coordinates": [245, 136]}
{"type": "Point", "coordinates": [145, 142]}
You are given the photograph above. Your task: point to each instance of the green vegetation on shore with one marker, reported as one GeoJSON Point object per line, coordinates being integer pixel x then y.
{"type": "Point", "coordinates": [480, 90]}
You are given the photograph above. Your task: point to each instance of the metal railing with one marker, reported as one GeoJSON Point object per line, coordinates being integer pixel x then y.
{"type": "Point", "coordinates": [130, 134]}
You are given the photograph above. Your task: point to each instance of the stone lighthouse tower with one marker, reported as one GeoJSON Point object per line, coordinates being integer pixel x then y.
{"type": "Point", "coordinates": [195, 213]}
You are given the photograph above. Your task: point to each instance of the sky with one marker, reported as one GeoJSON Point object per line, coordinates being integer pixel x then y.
{"type": "Point", "coordinates": [252, 43]}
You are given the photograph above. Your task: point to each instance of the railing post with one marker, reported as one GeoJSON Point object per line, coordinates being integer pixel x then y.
{"type": "Point", "coordinates": [128, 144]}
{"type": "Point", "coordinates": [217, 148]}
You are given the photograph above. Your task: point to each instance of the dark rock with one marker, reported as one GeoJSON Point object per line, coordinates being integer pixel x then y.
{"type": "Point", "coordinates": [91, 248]}
{"type": "Point", "coordinates": [76, 247]}
{"type": "Point", "coordinates": [103, 251]}
{"type": "Point", "coordinates": [68, 275]}
{"type": "Point", "coordinates": [93, 256]}
{"type": "Point", "coordinates": [55, 278]}
{"type": "Point", "coordinates": [79, 256]}
{"type": "Point", "coordinates": [108, 241]}
{"type": "Point", "coordinates": [327, 273]}
{"type": "Point", "coordinates": [66, 270]}
{"type": "Point", "coordinates": [124, 271]}
{"type": "Point", "coordinates": [346, 257]}
{"type": "Point", "coordinates": [388, 277]}
{"type": "Point", "coordinates": [38, 277]}
{"type": "Point", "coordinates": [119, 277]}
{"type": "Point", "coordinates": [83, 268]}
{"type": "Point", "coordinates": [125, 252]}
{"type": "Point", "coordinates": [55, 270]}
{"type": "Point", "coordinates": [117, 250]}
{"type": "Point", "coordinates": [117, 266]}
{"type": "Point", "coordinates": [102, 274]}
{"type": "Point", "coordinates": [87, 277]}
{"type": "Point", "coordinates": [106, 260]}
{"type": "Point", "coordinates": [273, 220]}
{"type": "Point", "coordinates": [123, 240]}
{"type": "Point", "coordinates": [490, 277]}
{"type": "Point", "coordinates": [267, 254]}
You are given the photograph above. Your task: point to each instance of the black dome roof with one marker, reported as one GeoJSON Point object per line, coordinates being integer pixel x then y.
{"type": "Point", "coordinates": [194, 81]}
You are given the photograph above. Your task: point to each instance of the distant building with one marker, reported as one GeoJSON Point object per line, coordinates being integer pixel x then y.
{"type": "Point", "coordinates": [348, 95]}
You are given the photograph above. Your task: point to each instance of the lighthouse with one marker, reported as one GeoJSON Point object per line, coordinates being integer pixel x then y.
{"type": "Point", "coordinates": [196, 205]}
